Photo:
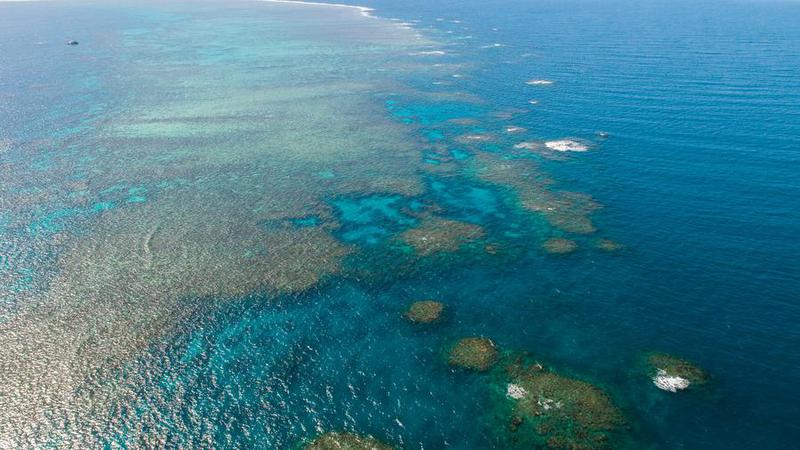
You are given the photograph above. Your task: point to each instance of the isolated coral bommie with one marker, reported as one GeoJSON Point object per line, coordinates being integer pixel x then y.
{"type": "Point", "coordinates": [424, 311]}
{"type": "Point", "coordinates": [670, 373]}
{"type": "Point", "coordinates": [474, 353]}
{"type": "Point", "coordinates": [607, 245]}
{"type": "Point", "coordinates": [560, 246]}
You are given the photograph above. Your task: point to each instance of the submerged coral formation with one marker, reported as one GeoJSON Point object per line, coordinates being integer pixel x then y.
{"type": "Point", "coordinates": [424, 311]}
{"type": "Point", "coordinates": [435, 234]}
{"type": "Point", "coordinates": [607, 245]}
{"type": "Point", "coordinates": [560, 245]}
{"type": "Point", "coordinates": [541, 408]}
{"type": "Point", "coordinates": [345, 441]}
{"type": "Point", "coordinates": [568, 211]}
{"type": "Point", "coordinates": [475, 138]}
{"type": "Point", "coordinates": [474, 353]}
{"type": "Point", "coordinates": [673, 374]}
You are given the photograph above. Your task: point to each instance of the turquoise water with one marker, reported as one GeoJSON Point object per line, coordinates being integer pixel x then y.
{"type": "Point", "coordinates": [213, 216]}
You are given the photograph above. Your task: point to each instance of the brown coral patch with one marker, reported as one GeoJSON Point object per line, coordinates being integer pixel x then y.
{"type": "Point", "coordinates": [435, 234]}
{"type": "Point", "coordinates": [560, 246]}
{"type": "Point", "coordinates": [474, 353]}
{"type": "Point", "coordinates": [568, 211]}
{"type": "Point", "coordinates": [424, 311]}
{"type": "Point", "coordinates": [345, 441]}
{"type": "Point", "coordinates": [554, 411]}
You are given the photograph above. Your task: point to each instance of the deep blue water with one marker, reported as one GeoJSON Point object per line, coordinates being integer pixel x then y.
{"type": "Point", "coordinates": [699, 177]}
{"type": "Point", "coordinates": [698, 180]}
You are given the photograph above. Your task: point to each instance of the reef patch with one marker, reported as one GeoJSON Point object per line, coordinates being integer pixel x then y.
{"type": "Point", "coordinates": [672, 374]}
{"type": "Point", "coordinates": [424, 311]}
{"type": "Point", "coordinates": [435, 235]}
{"type": "Point", "coordinates": [474, 353]}
{"type": "Point", "coordinates": [345, 441]}
{"type": "Point", "coordinates": [543, 409]}
{"type": "Point", "coordinates": [560, 246]}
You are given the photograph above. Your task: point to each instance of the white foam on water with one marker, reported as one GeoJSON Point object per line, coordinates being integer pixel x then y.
{"type": "Point", "coordinates": [366, 12]}
{"type": "Point", "coordinates": [495, 45]}
{"type": "Point", "coordinates": [566, 145]}
{"type": "Point", "coordinates": [514, 129]}
{"type": "Point", "coordinates": [539, 82]}
{"type": "Point", "coordinates": [670, 383]}
{"type": "Point", "coordinates": [548, 403]}
{"type": "Point", "coordinates": [429, 53]}
{"type": "Point", "coordinates": [516, 391]}
{"type": "Point", "coordinates": [533, 102]}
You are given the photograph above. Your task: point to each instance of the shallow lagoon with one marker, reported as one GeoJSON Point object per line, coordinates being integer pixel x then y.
{"type": "Point", "coordinates": [203, 235]}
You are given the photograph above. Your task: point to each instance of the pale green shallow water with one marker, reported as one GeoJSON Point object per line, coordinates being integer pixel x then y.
{"type": "Point", "coordinates": [208, 121]}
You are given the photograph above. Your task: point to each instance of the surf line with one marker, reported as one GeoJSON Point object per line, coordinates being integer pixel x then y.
{"type": "Point", "coordinates": [361, 9]}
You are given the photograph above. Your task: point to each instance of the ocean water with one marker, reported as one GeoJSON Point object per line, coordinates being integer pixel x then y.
{"type": "Point", "coordinates": [213, 216]}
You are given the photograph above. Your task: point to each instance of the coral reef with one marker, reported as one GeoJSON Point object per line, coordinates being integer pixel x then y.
{"type": "Point", "coordinates": [560, 246]}
{"type": "Point", "coordinates": [345, 441]}
{"type": "Point", "coordinates": [475, 138]}
{"type": "Point", "coordinates": [474, 353]}
{"type": "Point", "coordinates": [607, 245]}
{"type": "Point", "coordinates": [568, 211]}
{"type": "Point", "coordinates": [424, 311]}
{"type": "Point", "coordinates": [435, 234]}
{"type": "Point", "coordinates": [670, 373]}
{"type": "Point", "coordinates": [540, 408]}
